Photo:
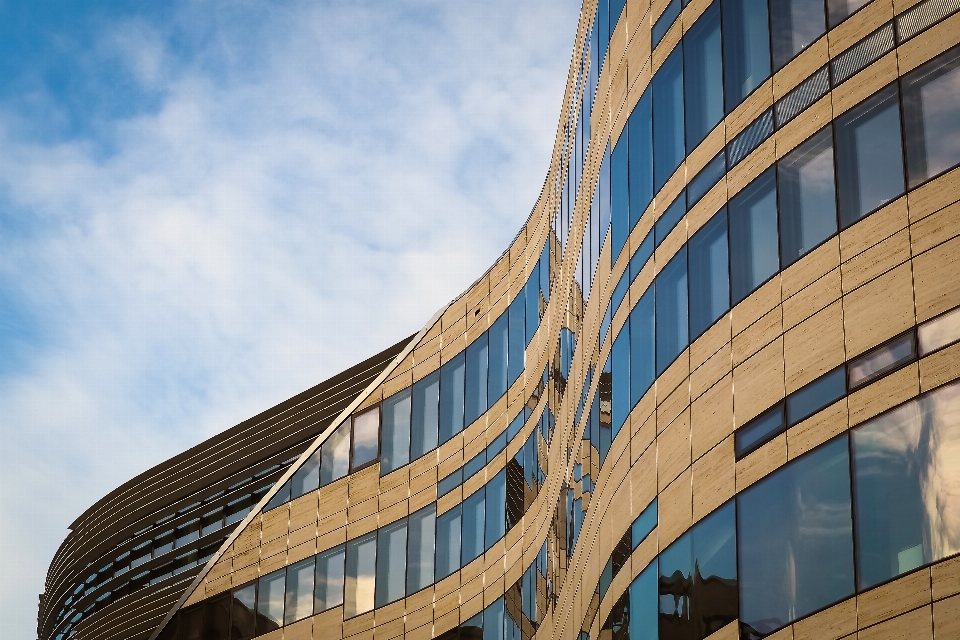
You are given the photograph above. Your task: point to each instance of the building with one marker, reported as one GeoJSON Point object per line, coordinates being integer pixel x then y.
{"type": "Point", "coordinates": [712, 389]}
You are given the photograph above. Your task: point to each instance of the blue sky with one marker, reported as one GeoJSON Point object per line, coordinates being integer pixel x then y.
{"type": "Point", "coordinates": [207, 207]}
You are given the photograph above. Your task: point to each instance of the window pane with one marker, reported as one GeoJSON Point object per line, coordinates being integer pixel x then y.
{"type": "Point", "coordinates": [669, 219]}
{"type": "Point", "coordinates": [714, 595]}
{"type": "Point", "coordinates": [668, 149]}
{"type": "Point", "coordinates": [396, 432]}
{"type": "Point", "coordinates": [939, 332]}
{"type": "Point", "coordinates": [796, 25]}
{"type": "Point", "coordinates": [282, 496]}
{"type": "Point", "coordinates": [644, 524]}
{"type": "Point", "coordinates": [299, 600]}
{"type": "Point", "coordinates": [709, 279]}
{"type": "Point", "coordinates": [360, 576]}
{"type": "Point", "coordinates": [795, 540]}
{"type": "Point", "coordinates": [932, 116]}
{"type": "Point", "coordinates": [619, 194]}
{"type": "Point", "coordinates": [329, 587]}
{"type": "Point", "coordinates": [191, 624]}
{"type": "Point", "coordinates": [754, 254]}
{"type": "Point", "coordinates": [496, 508]}
{"type": "Point", "coordinates": [746, 48]}
{"type": "Point", "coordinates": [307, 477]}
{"type": "Point", "coordinates": [366, 437]}
{"type": "Point", "coordinates": [644, 609]}
{"type": "Point", "coordinates": [676, 582]}
{"type": "Point", "coordinates": [704, 181]}
{"type": "Point", "coordinates": [475, 401]}
{"type": "Point", "coordinates": [703, 76]}
{"type": "Point", "coordinates": [642, 347]}
{"type": "Point", "coordinates": [839, 10]}
{"type": "Point", "coordinates": [879, 361]}
{"type": "Point", "coordinates": [905, 474]}
{"type": "Point", "coordinates": [335, 454]}
{"type": "Point", "coordinates": [869, 156]}
{"type": "Point", "coordinates": [662, 25]}
{"type": "Point", "coordinates": [420, 548]}
{"type": "Point", "coordinates": [473, 527]}
{"type": "Point", "coordinates": [448, 543]}
{"type": "Point", "coordinates": [816, 395]}
{"type": "Point", "coordinates": [497, 376]}
{"type": "Point", "coordinates": [243, 614]}
{"type": "Point", "coordinates": [808, 210]}
{"type": "Point", "coordinates": [391, 562]}
{"type": "Point", "coordinates": [216, 619]}
{"type": "Point", "coordinates": [270, 601]}
{"type": "Point", "coordinates": [641, 157]}
{"type": "Point", "coordinates": [620, 379]}
{"type": "Point", "coordinates": [515, 490]}
{"type": "Point", "coordinates": [671, 310]}
{"type": "Point", "coordinates": [426, 415]}
{"type": "Point", "coordinates": [517, 343]}
{"type": "Point", "coordinates": [493, 621]}
{"type": "Point", "coordinates": [451, 397]}
{"type": "Point", "coordinates": [759, 431]}
{"type": "Point", "coordinates": [532, 293]}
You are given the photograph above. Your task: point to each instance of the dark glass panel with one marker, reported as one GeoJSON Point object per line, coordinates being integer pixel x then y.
{"type": "Point", "coordinates": [170, 631]}
{"type": "Point", "coordinates": [662, 25]}
{"type": "Point", "coordinates": [474, 464]}
{"type": "Point", "coordinates": [904, 467]}
{"type": "Point", "coordinates": [676, 589]}
{"type": "Point", "coordinates": [307, 477]}
{"type": "Point", "coordinates": [515, 490]}
{"type": "Point", "coordinates": [449, 483]}
{"type": "Point", "coordinates": [191, 623]}
{"type": "Point", "coordinates": [188, 532]}
{"type": "Point", "coordinates": [671, 304]}
{"type": "Point", "coordinates": [421, 541]}
{"type": "Point", "coordinates": [796, 25]}
{"type": "Point", "coordinates": [618, 621]}
{"type": "Point", "coordinates": [754, 239]}
{"type": "Point", "coordinates": [795, 540]}
{"type": "Point", "coordinates": [703, 76]}
{"type": "Point", "coordinates": [641, 157]}
{"type": "Point", "coordinates": [668, 147]}
{"type": "Point", "coordinates": [211, 521]}
{"type": "Point", "coordinates": [243, 614]}
{"type": "Point", "coordinates": [473, 527]}
{"type": "Point", "coordinates": [931, 116]}
{"type": "Point", "coordinates": [451, 397]}
{"type": "Point", "coordinates": [714, 601]}
{"type": "Point", "coordinates": [396, 432]}
{"type": "Point", "coordinates": [644, 524]}
{"type": "Point", "coordinates": [816, 395]}
{"type": "Point", "coordinates": [493, 619]}
{"type": "Point", "coordinates": [620, 291]}
{"type": "Point", "coordinates": [391, 562]}
{"type": "Point", "coordinates": [360, 575]}
{"type": "Point", "coordinates": [497, 375]}
{"type": "Point", "coordinates": [708, 176]}
{"type": "Point", "coordinates": [300, 593]}
{"type": "Point", "coordinates": [335, 454]}
{"type": "Point", "coordinates": [270, 596]}
{"type": "Point", "coordinates": [517, 343]}
{"type": "Point", "coordinates": [216, 619]}
{"type": "Point", "coordinates": [329, 579]}
{"type": "Point", "coordinates": [669, 219]}
{"type": "Point", "coordinates": [496, 525]}
{"type": "Point", "coordinates": [709, 274]}
{"type": "Point", "coordinates": [879, 361]}
{"type": "Point", "coordinates": [641, 255]}
{"type": "Point", "coordinates": [532, 294]}
{"type": "Point", "coordinates": [425, 420]}
{"type": "Point", "coordinates": [475, 398]}
{"type": "Point", "coordinates": [759, 431]}
{"type": "Point", "coordinates": [620, 378]}
{"type": "Point", "coordinates": [163, 543]}
{"type": "Point", "coordinates": [644, 604]}
{"type": "Point", "coordinates": [448, 543]}
{"type": "Point", "coordinates": [808, 210]}
{"type": "Point", "coordinates": [869, 155]}
{"type": "Point", "coordinates": [642, 347]}
{"type": "Point", "coordinates": [746, 48]}
{"type": "Point", "coordinates": [619, 194]}
{"type": "Point", "coordinates": [282, 496]}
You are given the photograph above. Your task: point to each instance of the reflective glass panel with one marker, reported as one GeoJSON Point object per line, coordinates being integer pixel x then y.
{"type": "Point", "coordinates": [420, 548]}
{"type": "Point", "coordinates": [396, 432]}
{"type": "Point", "coordinates": [517, 344]}
{"type": "Point", "coordinates": [796, 25]}
{"type": "Point", "coordinates": [307, 477]}
{"type": "Point", "coordinates": [714, 593]}
{"type": "Point", "coordinates": [675, 589]}
{"type": "Point", "coordinates": [939, 332]}
{"type": "Point", "coordinates": [759, 431]}
{"type": "Point", "coordinates": [270, 598]}
{"type": "Point", "coordinates": [644, 524]}
{"type": "Point", "coordinates": [360, 575]}
{"type": "Point", "coordinates": [644, 605]}
{"type": "Point", "coordinates": [451, 397]}
{"type": "Point", "coordinates": [620, 379]}
{"type": "Point", "coordinates": [704, 181]}
{"type": "Point", "coordinates": [448, 543]}
{"type": "Point", "coordinates": [532, 294]}
{"type": "Point", "coordinates": [879, 361]}
{"type": "Point", "coordinates": [243, 616]}
{"type": "Point", "coordinates": [839, 10]}
{"type": "Point", "coordinates": [335, 454]}
{"type": "Point", "coordinates": [709, 274]}
{"type": "Point", "coordinates": [391, 562]}
{"type": "Point", "coordinates": [642, 347]}
{"type": "Point", "coordinates": [671, 306]}
{"type": "Point", "coordinates": [425, 419]}
{"type": "Point", "coordinates": [869, 156]}
{"type": "Point", "coordinates": [669, 219]}
{"type": "Point", "coordinates": [905, 472]}
{"type": "Point", "coordinates": [746, 48]}
{"type": "Point", "coordinates": [216, 619]}
{"type": "Point", "coordinates": [496, 508]}
{"type": "Point", "coordinates": [366, 437]}
{"type": "Point", "coordinates": [666, 19]}
{"type": "Point", "coordinates": [473, 527]}
{"type": "Point", "coordinates": [703, 76]}
{"type": "Point", "coordinates": [475, 399]}
{"type": "Point", "coordinates": [932, 116]}
{"type": "Point", "coordinates": [754, 238]}
{"type": "Point", "coordinates": [808, 205]}
{"type": "Point", "coordinates": [493, 621]}
{"type": "Point", "coordinates": [619, 194]}
{"type": "Point", "coordinates": [795, 538]}
{"type": "Point", "coordinates": [329, 579]}
{"type": "Point", "coordinates": [497, 375]}
{"type": "Point", "coordinates": [641, 157]}
{"type": "Point", "coordinates": [668, 147]}
{"type": "Point", "coordinates": [282, 496]}
{"type": "Point", "coordinates": [299, 598]}
{"type": "Point", "coordinates": [816, 395]}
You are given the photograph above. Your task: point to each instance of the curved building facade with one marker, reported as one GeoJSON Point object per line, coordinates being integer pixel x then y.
{"type": "Point", "coordinates": [712, 389]}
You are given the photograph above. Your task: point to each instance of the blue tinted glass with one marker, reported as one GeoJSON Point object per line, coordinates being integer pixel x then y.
{"type": "Point", "coordinates": [603, 27]}
{"type": "Point", "coordinates": [642, 347]}
{"type": "Point", "coordinates": [816, 395]}
{"type": "Point", "coordinates": [714, 594]}
{"type": "Point", "coordinates": [282, 496]}
{"type": "Point", "coordinates": [619, 195]}
{"type": "Point", "coordinates": [395, 448]}
{"type": "Point", "coordinates": [676, 589]}
{"type": "Point", "coordinates": [644, 605]}
{"type": "Point", "coordinates": [532, 293]}
{"type": "Point", "coordinates": [704, 181]}
{"type": "Point", "coordinates": [808, 205]}
{"type": "Point", "coordinates": [499, 444]}
{"type": "Point", "coordinates": [473, 527]}
{"type": "Point", "coordinates": [759, 431]}
{"type": "Point", "coordinates": [496, 523]}
{"type": "Point", "coordinates": [606, 576]}
{"type": "Point", "coordinates": [795, 537]}
{"type": "Point", "coordinates": [796, 25]}
{"type": "Point", "coordinates": [616, 8]}
{"type": "Point", "coordinates": [451, 482]}
{"type": "Point", "coordinates": [709, 280]}
{"type": "Point", "coordinates": [451, 397]}
{"type": "Point", "coordinates": [641, 157]}
{"type": "Point", "coordinates": [623, 284]}
{"type": "Point", "coordinates": [517, 343]}
{"type": "Point", "coordinates": [514, 427]}
{"type": "Point", "coordinates": [620, 378]}
{"type": "Point", "coordinates": [703, 76]}
{"type": "Point", "coordinates": [425, 418]}
{"type": "Point", "coordinates": [497, 375]}
{"type": "Point", "coordinates": [671, 306]}
{"type": "Point", "coordinates": [474, 464]}
{"type": "Point", "coordinates": [391, 562]}
{"type": "Point", "coordinates": [666, 222]}
{"type": "Point", "coordinates": [642, 254]}
{"type": "Point", "coordinates": [545, 270]}
{"type": "Point", "coordinates": [493, 620]}
{"type": "Point", "coordinates": [448, 543]}
{"type": "Point", "coordinates": [644, 524]}
{"type": "Point", "coordinates": [746, 48]}
{"type": "Point", "coordinates": [666, 19]}
{"type": "Point", "coordinates": [668, 148]}
{"type": "Point", "coordinates": [754, 238]}
{"type": "Point", "coordinates": [475, 398]}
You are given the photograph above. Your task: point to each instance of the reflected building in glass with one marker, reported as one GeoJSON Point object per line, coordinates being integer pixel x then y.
{"type": "Point", "coordinates": [711, 389]}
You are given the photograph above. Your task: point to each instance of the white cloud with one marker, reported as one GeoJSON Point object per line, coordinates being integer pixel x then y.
{"type": "Point", "coordinates": [312, 183]}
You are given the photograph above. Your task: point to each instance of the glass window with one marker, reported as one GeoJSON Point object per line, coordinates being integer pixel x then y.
{"type": "Point", "coordinates": [644, 604]}
{"type": "Point", "coordinates": [420, 548]}
{"type": "Point", "coordinates": [473, 527]}
{"type": "Point", "coordinates": [493, 621]}
{"type": "Point", "coordinates": [515, 490]}
{"type": "Point", "coordinates": [669, 219]}
{"type": "Point", "coordinates": [668, 149]}
{"type": "Point", "coordinates": [329, 580]}
{"type": "Point", "coordinates": [746, 48]}
{"type": "Point", "coordinates": [335, 454]}
{"type": "Point", "coordinates": [795, 539]}
{"type": "Point", "coordinates": [662, 25]}
{"type": "Point", "coordinates": [360, 577]}
{"type": "Point", "coordinates": [191, 624]}
{"type": "Point", "coordinates": [641, 158]}
{"type": "Point", "coordinates": [496, 508]}
{"type": "Point", "coordinates": [299, 599]}
{"type": "Point", "coordinates": [932, 117]}
{"type": "Point", "coordinates": [620, 194]}
{"type": "Point", "coordinates": [759, 431]}
{"type": "Point", "coordinates": [396, 432]}
{"type": "Point", "coordinates": [754, 254]}
{"type": "Point", "coordinates": [905, 475]}
{"type": "Point", "coordinates": [709, 274]}
{"type": "Point", "coordinates": [211, 521]}
{"type": "Point", "coordinates": [188, 532]}
{"type": "Point", "coordinates": [448, 543]}
{"type": "Point", "coordinates": [675, 589]}
{"type": "Point", "coordinates": [216, 619]}
{"type": "Point", "coordinates": [425, 420]}
{"type": "Point", "coordinates": [517, 343]}
{"type": "Point", "coordinates": [869, 156]}
{"type": "Point", "coordinates": [671, 306]}
{"type": "Point", "coordinates": [366, 437]}
{"type": "Point", "coordinates": [163, 543]}
{"type": "Point", "coordinates": [808, 210]}
{"type": "Point", "coordinates": [450, 482]}
{"type": "Point", "coordinates": [281, 497]}
{"type": "Point", "coordinates": [307, 477]}
{"type": "Point", "coordinates": [475, 400]}
{"type": "Point", "coordinates": [391, 562]}
{"type": "Point", "coordinates": [796, 25]}
{"type": "Point", "coordinates": [703, 76]}
{"type": "Point", "coordinates": [474, 465]}
{"type": "Point", "coordinates": [497, 376]}
{"type": "Point", "coordinates": [642, 347]}
{"type": "Point", "coordinates": [243, 616]}
{"type": "Point", "coordinates": [840, 10]}
{"type": "Point", "coordinates": [620, 379]}
{"type": "Point", "coordinates": [939, 332]}
{"type": "Point", "coordinates": [708, 176]}
{"type": "Point", "coordinates": [881, 360]}
{"type": "Point", "coordinates": [816, 395]}
{"type": "Point", "coordinates": [270, 601]}
{"type": "Point", "coordinates": [714, 593]}
{"type": "Point", "coordinates": [644, 524]}
{"type": "Point", "coordinates": [451, 397]}
{"type": "Point", "coordinates": [532, 291]}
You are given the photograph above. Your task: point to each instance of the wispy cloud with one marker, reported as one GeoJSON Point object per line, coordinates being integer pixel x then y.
{"type": "Point", "coordinates": [271, 193]}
